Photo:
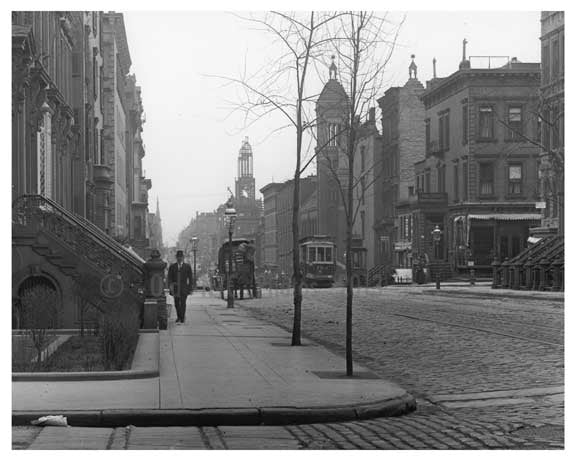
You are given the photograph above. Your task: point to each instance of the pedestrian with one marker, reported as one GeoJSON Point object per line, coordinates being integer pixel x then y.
{"type": "Point", "coordinates": [180, 284]}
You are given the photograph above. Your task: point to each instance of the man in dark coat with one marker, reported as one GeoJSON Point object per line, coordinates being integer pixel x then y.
{"type": "Point", "coordinates": [180, 284]}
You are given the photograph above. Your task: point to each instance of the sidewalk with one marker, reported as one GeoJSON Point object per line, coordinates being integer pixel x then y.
{"type": "Point", "coordinates": [221, 367]}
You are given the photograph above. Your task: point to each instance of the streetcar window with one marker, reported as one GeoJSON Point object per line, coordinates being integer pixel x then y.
{"type": "Point", "coordinates": [321, 254]}
{"type": "Point", "coordinates": [312, 254]}
{"type": "Point", "coordinates": [329, 254]}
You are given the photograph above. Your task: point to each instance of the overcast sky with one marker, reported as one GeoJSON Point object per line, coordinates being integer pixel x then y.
{"type": "Point", "coordinates": [191, 140]}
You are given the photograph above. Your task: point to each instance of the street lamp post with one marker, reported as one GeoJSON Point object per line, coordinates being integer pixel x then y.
{"type": "Point", "coordinates": [230, 216]}
{"type": "Point", "coordinates": [194, 242]}
{"type": "Point", "coordinates": [436, 237]}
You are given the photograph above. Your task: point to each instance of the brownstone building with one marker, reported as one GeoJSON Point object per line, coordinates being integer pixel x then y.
{"type": "Point", "coordinates": [403, 144]}
{"type": "Point", "coordinates": [478, 182]}
{"type": "Point", "coordinates": [551, 111]}
{"type": "Point", "coordinates": [67, 134]}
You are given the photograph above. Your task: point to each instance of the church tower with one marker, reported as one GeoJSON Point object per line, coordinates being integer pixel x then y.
{"type": "Point", "coordinates": [332, 113]}
{"type": "Point", "coordinates": [245, 183]}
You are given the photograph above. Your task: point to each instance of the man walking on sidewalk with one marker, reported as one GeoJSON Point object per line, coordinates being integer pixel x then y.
{"type": "Point", "coordinates": [180, 284]}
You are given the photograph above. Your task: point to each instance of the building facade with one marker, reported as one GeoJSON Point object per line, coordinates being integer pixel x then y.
{"type": "Point", "coordinates": [69, 132]}
{"type": "Point", "coordinates": [403, 144]}
{"type": "Point", "coordinates": [478, 182]}
{"type": "Point", "coordinates": [368, 168]}
{"type": "Point", "coordinates": [277, 245]}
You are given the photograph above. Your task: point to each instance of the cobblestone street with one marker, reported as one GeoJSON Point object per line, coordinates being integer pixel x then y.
{"type": "Point", "coordinates": [488, 374]}
{"type": "Point", "coordinates": [490, 365]}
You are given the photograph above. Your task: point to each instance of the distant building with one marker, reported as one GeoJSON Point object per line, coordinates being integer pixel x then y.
{"type": "Point", "coordinates": [155, 241]}
{"type": "Point", "coordinates": [278, 198]}
{"type": "Point", "coordinates": [204, 226]}
{"type": "Point", "coordinates": [245, 182]}
{"type": "Point", "coordinates": [478, 181]}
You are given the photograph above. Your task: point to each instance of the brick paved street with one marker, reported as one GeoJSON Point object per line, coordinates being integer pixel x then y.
{"type": "Point", "coordinates": [488, 373]}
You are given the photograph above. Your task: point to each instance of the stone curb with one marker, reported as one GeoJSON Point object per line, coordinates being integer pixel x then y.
{"type": "Point", "coordinates": [270, 416]}
{"type": "Point", "coordinates": [496, 294]}
{"type": "Point", "coordinates": [153, 372]}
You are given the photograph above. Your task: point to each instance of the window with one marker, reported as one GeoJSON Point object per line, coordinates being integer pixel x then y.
{"type": "Point", "coordinates": [455, 182]}
{"type": "Point", "coordinates": [562, 55]}
{"type": "Point", "coordinates": [515, 123]}
{"type": "Point", "coordinates": [332, 134]}
{"type": "Point", "coordinates": [486, 178]}
{"type": "Point", "coordinates": [320, 253]}
{"type": "Point", "coordinates": [486, 122]}
{"type": "Point", "coordinates": [410, 191]}
{"type": "Point", "coordinates": [555, 60]}
{"type": "Point", "coordinates": [444, 131]}
{"type": "Point", "coordinates": [441, 178]}
{"type": "Point", "coordinates": [515, 179]}
{"type": "Point", "coordinates": [427, 182]}
{"type": "Point", "coordinates": [363, 188]}
{"type": "Point", "coordinates": [362, 223]}
{"type": "Point", "coordinates": [328, 254]}
{"type": "Point", "coordinates": [465, 124]}
{"type": "Point", "coordinates": [465, 180]}
{"type": "Point", "coordinates": [554, 128]}
{"type": "Point", "coordinates": [545, 124]}
{"type": "Point", "coordinates": [362, 158]}
{"type": "Point", "coordinates": [545, 64]}
{"type": "Point", "coordinates": [427, 122]}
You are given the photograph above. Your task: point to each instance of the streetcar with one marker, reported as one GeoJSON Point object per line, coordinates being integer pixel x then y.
{"type": "Point", "coordinates": [318, 261]}
{"type": "Point", "coordinates": [242, 271]}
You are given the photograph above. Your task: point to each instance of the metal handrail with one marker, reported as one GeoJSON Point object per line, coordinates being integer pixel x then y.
{"type": "Point", "coordinates": [104, 239]}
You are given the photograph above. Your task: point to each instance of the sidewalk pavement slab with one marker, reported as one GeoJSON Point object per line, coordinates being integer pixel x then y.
{"type": "Point", "coordinates": [221, 367]}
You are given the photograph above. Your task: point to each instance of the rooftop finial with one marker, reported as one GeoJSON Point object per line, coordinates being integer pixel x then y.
{"type": "Point", "coordinates": [413, 68]}
{"type": "Point", "coordinates": [465, 64]}
{"type": "Point", "coordinates": [434, 68]}
{"type": "Point", "coordinates": [333, 69]}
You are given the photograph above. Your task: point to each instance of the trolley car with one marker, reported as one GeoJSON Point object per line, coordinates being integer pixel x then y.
{"type": "Point", "coordinates": [318, 256]}
{"type": "Point", "coordinates": [242, 271]}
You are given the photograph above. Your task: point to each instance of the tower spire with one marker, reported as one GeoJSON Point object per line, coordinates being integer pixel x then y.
{"type": "Point", "coordinates": [333, 69]}
{"type": "Point", "coordinates": [413, 68]}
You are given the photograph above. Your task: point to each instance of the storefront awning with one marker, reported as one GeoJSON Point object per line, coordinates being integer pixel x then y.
{"type": "Point", "coordinates": [507, 216]}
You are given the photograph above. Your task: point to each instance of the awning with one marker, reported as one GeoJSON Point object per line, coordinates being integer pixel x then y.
{"type": "Point", "coordinates": [507, 216]}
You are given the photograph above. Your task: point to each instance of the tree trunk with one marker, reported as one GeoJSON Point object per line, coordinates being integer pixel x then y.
{"type": "Point", "coordinates": [296, 329]}
{"type": "Point", "coordinates": [349, 285]}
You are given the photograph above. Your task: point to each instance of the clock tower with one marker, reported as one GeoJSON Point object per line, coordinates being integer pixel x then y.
{"type": "Point", "coordinates": [245, 183]}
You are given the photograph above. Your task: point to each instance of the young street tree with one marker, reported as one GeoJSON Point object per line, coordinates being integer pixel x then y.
{"type": "Point", "coordinates": [363, 43]}
{"type": "Point", "coordinates": [283, 87]}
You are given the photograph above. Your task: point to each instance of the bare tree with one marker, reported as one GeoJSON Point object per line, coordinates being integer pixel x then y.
{"type": "Point", "coordinates": [363, 43]}
{"type": "Point", "coordinates": [89, 295]}
{"type": "Point", "coordinates": [283, 86]}
{"type": "Point", "coordinates": [40, 307]}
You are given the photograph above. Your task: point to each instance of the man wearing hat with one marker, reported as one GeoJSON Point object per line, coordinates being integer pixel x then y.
{"type": "Point", "coordinates": [180, 283]}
